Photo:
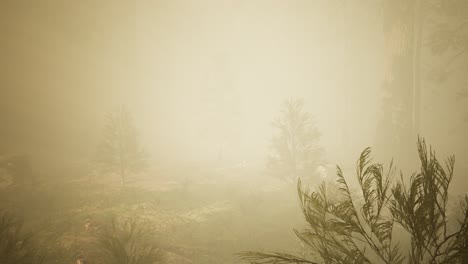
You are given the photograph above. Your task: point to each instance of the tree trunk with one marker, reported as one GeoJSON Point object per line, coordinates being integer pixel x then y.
{"type": "Point", "coordinates": [417, 46]}
{"type": "Point", "coordinates": [400, 123]}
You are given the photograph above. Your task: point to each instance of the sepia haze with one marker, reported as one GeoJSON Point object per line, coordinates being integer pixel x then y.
{"type": "Point", "coordinates": [195, 75]}
{"type": "Point", "coordinates": [203, 82]}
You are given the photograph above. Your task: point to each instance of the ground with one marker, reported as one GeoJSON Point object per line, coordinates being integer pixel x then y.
{"type": "Point", "coordinates": [199, 215]}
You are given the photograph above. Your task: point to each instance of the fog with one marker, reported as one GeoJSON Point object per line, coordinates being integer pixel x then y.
{"type": "Point", "coordinates": [195, 75]}
{"type": "Point", "coordinates": [202, 82]}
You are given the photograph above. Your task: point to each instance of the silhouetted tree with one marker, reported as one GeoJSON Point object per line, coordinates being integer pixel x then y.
{"type": "Point", "coordinates": [119, 151]}
{"type": "Point", "coordinates": [295, 149]}
{"type": "Point", "coordinates": [344, 229]}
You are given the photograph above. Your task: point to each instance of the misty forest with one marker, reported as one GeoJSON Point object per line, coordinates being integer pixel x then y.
{"type": "Point", "coordinates": [218, 131]}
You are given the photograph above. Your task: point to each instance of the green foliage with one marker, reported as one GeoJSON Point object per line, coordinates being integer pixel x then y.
{"type": "Point", "coordinates": [348, 229]}
{"type": "Point", "coordinates": [128, 242]}
{"type": "Point", "coordinates": [295, 150]}
{"type": "Point", "coordinates": [119, 151]}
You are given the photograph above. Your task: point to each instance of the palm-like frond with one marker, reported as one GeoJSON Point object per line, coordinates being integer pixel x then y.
{"type": "Point", "coordinates": [273, 258]}
{"type": "Point", "coordinates": [421, 209]}
{"type": "Point", "coordinates": [346, 230]}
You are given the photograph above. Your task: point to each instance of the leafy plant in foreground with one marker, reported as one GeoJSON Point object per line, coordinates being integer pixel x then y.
{"type": "Point", "coordinates": [349, 229]}
{"type": "Point", "coordinates": [129, 242]}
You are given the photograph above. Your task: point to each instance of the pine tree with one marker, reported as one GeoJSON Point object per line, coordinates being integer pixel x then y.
{"type": "Point", "coordinates": [295, 149]}
{"type": "Point", "coordinates": [119, 151]}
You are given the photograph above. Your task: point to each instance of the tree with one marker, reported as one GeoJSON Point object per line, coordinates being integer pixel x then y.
{"type": "Point", "coordinates": [346, 229]}
{"type": "Point", "coordinates": [400, 121]}
{"type": "Point", "coordinates": [411, 26]}
{"type": "Point", "coordinates": [119, 151]}
{"type": "Point", "coordinates": [448, 35]}
{"type": "Point", "coordinates": [295, 149]}
{"type": "Point", "coordinates": [448, 41]}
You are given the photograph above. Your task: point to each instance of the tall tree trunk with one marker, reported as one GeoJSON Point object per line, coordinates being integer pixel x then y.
{"type": "Point", "coordinates": [400, 122]}
{"type": "Point", "coordinates": [417, 46]}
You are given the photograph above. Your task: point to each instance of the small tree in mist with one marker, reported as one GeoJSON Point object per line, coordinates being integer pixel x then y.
{"type": "Point", "coordinates": [295, 149]}
{"type": "Point", "coordinates": [345, 229]}
{"type": "Point", "coordinates": [119, 151]}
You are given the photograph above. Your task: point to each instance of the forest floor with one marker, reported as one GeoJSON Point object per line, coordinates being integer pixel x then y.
{"type": "Point", "coordinates": [200, 215]}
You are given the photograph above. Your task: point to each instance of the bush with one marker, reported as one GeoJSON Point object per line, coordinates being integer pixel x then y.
{"type": "Point", "coordinates": [128, 242]}
{"type": "Point", "coordinates": [345, 229]}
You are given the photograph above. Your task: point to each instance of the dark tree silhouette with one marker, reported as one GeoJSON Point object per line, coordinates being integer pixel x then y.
{"type": "Point", "coordinates": [348, 229]}
{"type": "Point", "coordinates": [119, 151]}
{"type": "Point", "coordinates": [295, 149]}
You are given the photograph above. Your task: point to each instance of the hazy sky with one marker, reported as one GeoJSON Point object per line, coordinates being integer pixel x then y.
{"type": "Point", "coordinates": [197, 75]}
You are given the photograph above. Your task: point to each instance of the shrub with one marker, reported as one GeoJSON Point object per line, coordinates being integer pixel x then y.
{"type": "Point", "coordinates": [128, 242]}
{"type": "Point", "coordinates": [345, 229]}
